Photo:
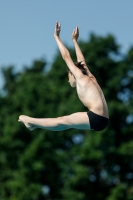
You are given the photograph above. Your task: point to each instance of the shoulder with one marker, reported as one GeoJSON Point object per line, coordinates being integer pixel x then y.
{"type": "Point", "coordinates": [72, 67]}
{"type": "Point", "coordinates": [83, 80]}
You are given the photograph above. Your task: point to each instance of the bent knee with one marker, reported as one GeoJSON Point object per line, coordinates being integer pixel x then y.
{"type": "Point", "coordinates": [64, 120]}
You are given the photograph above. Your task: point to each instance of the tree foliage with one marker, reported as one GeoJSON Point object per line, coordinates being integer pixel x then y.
{"type": "Point", "coordinates": [71, 164]}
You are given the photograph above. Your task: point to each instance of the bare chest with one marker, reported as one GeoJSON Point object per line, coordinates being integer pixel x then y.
{"type": "Point", "coordinates": [90, 94]}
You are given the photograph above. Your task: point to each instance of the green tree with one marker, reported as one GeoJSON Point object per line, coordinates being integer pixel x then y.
{"type": "Point", "coordinates": [71, 164]}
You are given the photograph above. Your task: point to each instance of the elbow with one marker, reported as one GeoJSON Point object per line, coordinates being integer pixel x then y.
{"type": "Point", "coordinates": [66, 55]}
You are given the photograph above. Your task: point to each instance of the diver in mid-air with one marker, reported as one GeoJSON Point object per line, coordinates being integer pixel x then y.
{"type": "Point", "coordinates": [88, 90]}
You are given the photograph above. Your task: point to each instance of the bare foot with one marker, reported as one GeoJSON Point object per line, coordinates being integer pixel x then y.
{"type": "Point", "coordinates": [27, 122]}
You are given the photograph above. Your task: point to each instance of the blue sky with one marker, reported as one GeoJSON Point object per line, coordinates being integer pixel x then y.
{"type": "Point", "coordinates": [26, 27]}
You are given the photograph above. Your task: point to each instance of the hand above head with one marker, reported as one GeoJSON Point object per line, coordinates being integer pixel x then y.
{"type": "Point", "coordinates": [75, 33]}
{"type": "Point", "coordinates": [57, 29]}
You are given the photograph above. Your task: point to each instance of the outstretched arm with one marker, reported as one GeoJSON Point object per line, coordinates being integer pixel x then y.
{"type": "Point", "coordinates": [75, 35]}
{"type": "Point", "coordinates": [79, 54]}
{"type": "Point", "coordinates": [63, 50]}
{"type": "Point", "coordinates": [65, 53]}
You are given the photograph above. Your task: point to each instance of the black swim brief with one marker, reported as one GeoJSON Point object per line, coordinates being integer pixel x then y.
{"type": "Point", "coordinates": [97, 122]}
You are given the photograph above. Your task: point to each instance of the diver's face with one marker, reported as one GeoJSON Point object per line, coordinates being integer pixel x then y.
{"type": "Point", "coordinates": [71, 80]}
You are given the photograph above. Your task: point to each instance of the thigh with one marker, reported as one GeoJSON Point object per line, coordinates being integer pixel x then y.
{"type": "Point", "coordinates": [77, 120]}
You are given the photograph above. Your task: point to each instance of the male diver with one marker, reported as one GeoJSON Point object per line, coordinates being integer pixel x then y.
{"type": "Point", "coordinates": [89, 92]}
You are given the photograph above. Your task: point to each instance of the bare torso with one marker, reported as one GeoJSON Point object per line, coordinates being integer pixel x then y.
{"type": "Point", "coordinates": [91, 95]}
